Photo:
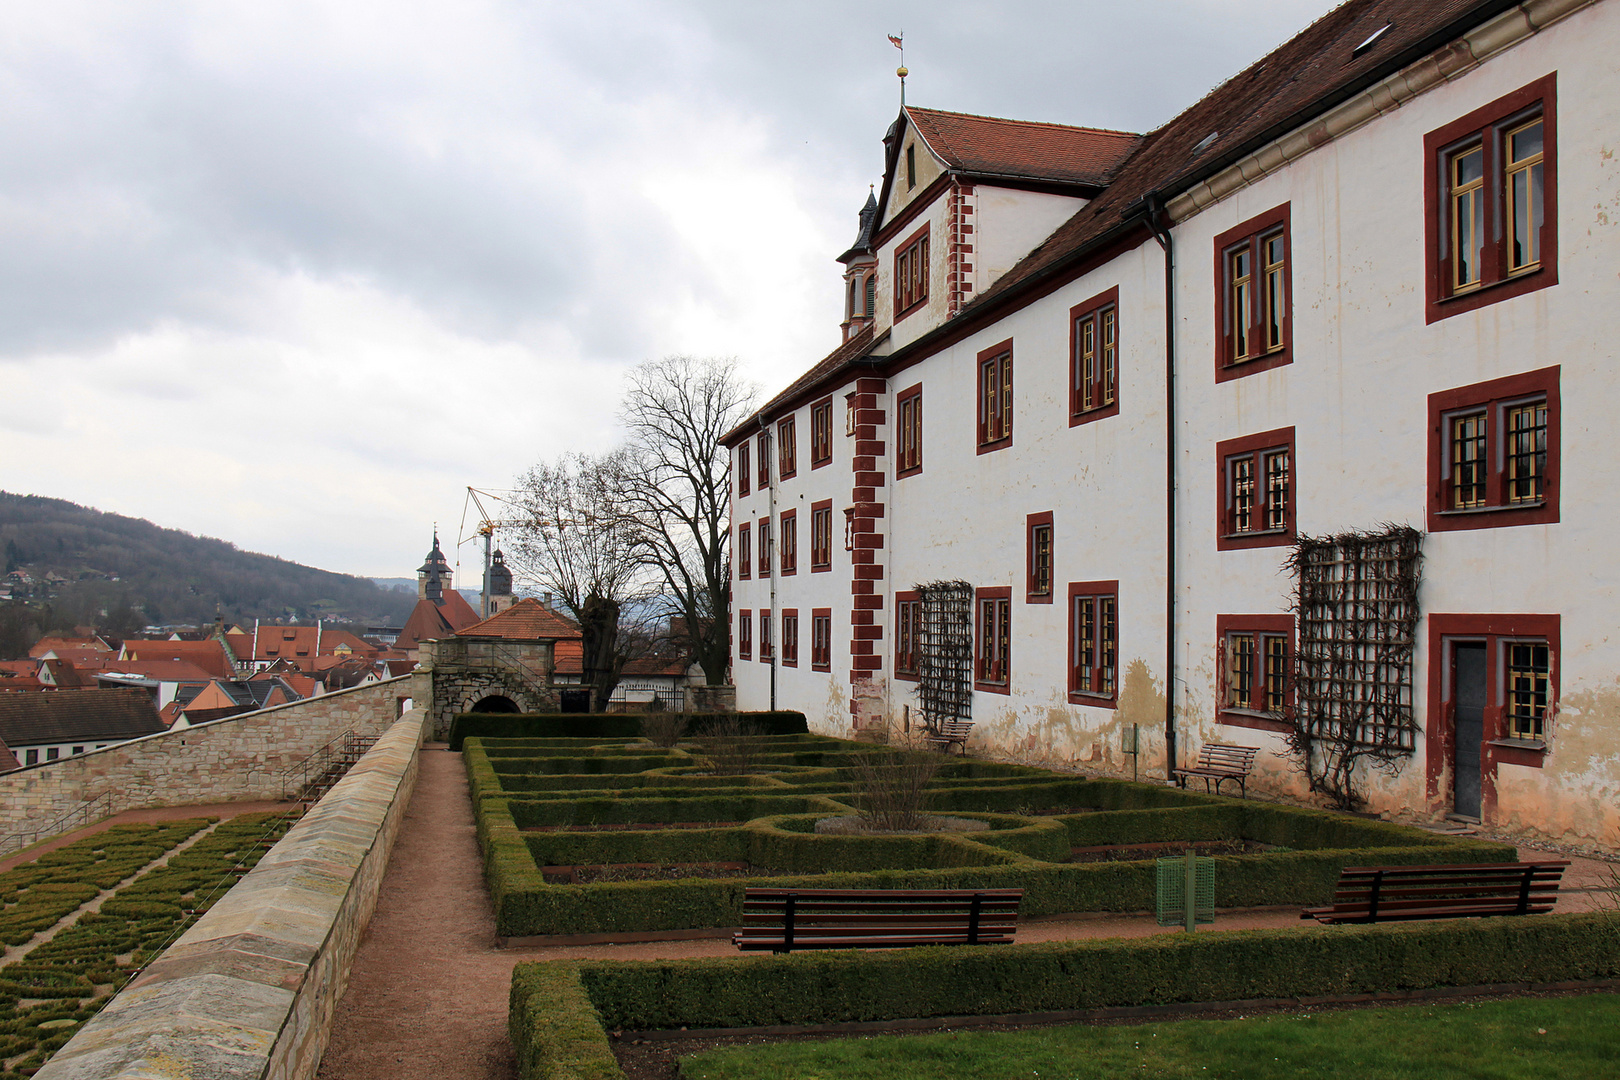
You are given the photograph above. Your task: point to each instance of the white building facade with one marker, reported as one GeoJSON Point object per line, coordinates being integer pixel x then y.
{"type": "Point", "coordinates": [1277, 426]}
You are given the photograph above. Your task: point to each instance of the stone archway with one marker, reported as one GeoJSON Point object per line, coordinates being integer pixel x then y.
{"type": "Point", "coordinates": [495, 703]}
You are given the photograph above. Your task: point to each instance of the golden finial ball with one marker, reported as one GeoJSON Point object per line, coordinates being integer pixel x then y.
{"type": "Point", "coordinates": [902, 72]}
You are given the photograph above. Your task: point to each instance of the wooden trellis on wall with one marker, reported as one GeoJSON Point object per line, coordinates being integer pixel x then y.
{"type": "Point", "coordinates": [945, 652]}
{"type": "Point", "coordinates": [1356, 603]}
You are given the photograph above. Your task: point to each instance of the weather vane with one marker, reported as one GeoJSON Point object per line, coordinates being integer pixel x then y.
{"type": "Point", "coordinates": [899, 42]}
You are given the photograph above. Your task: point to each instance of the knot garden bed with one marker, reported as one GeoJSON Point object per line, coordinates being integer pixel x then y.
{"type": "Point", "coordinates": [1037, 818]}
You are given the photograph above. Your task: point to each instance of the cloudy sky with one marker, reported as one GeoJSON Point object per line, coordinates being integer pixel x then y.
{"type": "Point", "coordinates": [295, 274]}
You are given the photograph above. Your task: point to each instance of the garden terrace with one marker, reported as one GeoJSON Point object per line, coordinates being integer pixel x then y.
{"type": "Point", "coordinates": [674, 812]}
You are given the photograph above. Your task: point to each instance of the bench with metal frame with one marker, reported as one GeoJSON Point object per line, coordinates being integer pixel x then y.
{"type": "Point", "coordinates": [783, 920]}
{"type": "Point", "coordinates": [1368, 894]}
{"type": "Point", "coordinates": [1220, 762]}
{"type": "Point", "coordinates": [950, 732]}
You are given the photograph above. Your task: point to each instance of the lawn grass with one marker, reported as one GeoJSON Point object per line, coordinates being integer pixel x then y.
{"type": "Point", "coordinates": [1571, 1038]}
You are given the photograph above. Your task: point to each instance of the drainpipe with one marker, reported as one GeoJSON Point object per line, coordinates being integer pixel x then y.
{"type": "Point", "coordinates": [769, 550]}
{"type": "Point", "coordinates": [1154, 215]}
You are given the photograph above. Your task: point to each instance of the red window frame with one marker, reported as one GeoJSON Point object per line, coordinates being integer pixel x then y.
{"type": "Point", "coordinates": [995, 372]}
{"type": "Point", "coordinates": [821, 535]}
{"type": "Point", "coordinates": [907, 624]}
{"type": "Point", "coordinates": [790, 637]}
{"type": "Point", "coordinates": [1246, 238]}
{"type": "Point", "coordinates": [821, 639]}
{"type": "Point", "coordinates": [1486, 126]}
{"type": "Point", "coordinates": [745, 552]}
{"type": "Point", "coordinates": [1093, 682]}
{"type": "Point", "coordinates": [764, 547]}
{"type": "Point", "coordinates": [742, 468]}
{"type": "Point", "coordinates": [1259, 450]}
{"type": "Point", "coordinates": [908, 432]}
{"type": "Point", "coordinates": [1492, 399]}
{"type": "Point", "coordinates": [1497, 746]}
{"type": "Point", "coordinates": [1094, 315]}
{"type": "Point", "coordinates": [821, 433]}
{"type": "Point", "coordinates": [764, 450]}
{"type": "Point", "coordinates": [787, 448]}
{"type": "Point", "coordinates": [789, 542]}
{"type": "Point", "coordinates": [1033, 594]}
{"type": "Point", "coordinates": [765, 654]}
{"type": "Point", "coordinates": [911, 267]}
{"type": "Point", "coordinates": [1259, 628]}
{"type": "Point", "coordinates": [745, 634]}
{"type": "Point", "coordinates": [992, 651]}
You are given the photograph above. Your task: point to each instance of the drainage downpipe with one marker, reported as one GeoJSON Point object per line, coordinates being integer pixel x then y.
{"type": "Point", "coordinates": [1157, 221]}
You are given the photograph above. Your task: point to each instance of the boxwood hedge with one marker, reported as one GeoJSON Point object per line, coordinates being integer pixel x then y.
{"type": "Point", "coordinates": [604, 725]}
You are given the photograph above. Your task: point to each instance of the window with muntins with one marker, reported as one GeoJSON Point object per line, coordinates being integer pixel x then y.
{"type": "Point", "coordinates": [790, 543]}
{"type": "Point", "coordinates": [1038, 555]}
{"type": "Point", "coordinates": [908, 437]}
{"type": "Point", "coordinates": [765, 635]}
{"type": "Point", "coordinates": [1255, 666]}
{"type": "Point", "coordinates": [742, 470]}
{"type": "Point", "coordinates": [821, 536]}
{"type": "Point", "coordinates": [787, 449]}
{"type": "Point", "coordinates": [764, 451]}
{"type": "Point", "coordinates": [1254, 300]}
{"type": "Point", "coordinates": [911, 273]}
{"type": "Point", "coordinates": [765, 552]}
{"type": "Point", "coordinates": [907, 632]}
{"type": "Point", "coordinates": [745, 634]}
{"type": "Point", "coordinates": [1493, 453]}
{"type": "Point", "coordinates": [821, 433]}
{"type": "Point", "coordinates": [1256, 490]}
{"type": "Point", "coordinates": [993, 640]}
{"type": "Point", "coordinates": [1094, 642]}
{"type": "Point", "coordinates": [995, 397]}
{"type": "Point", "coordinates": [790, 637]}
{"type": "Point", "coordinates": [1491, 202]}
{"type": "Point", "coordinates": [1094, 358]}
{"type": "Point", "coordinates": [745, 552]}
{"type": "Point", "coordinates": [821, 639]}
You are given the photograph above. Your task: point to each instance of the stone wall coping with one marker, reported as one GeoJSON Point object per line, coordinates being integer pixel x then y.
{"type": "Point", "coordinates": [248, 991]}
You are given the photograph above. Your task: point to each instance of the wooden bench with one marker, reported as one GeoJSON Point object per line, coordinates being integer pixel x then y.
{"type": "Point", "coordinates": [948, 732]}
{"type": "Point", "coordinates": [1218, 762]}
{"type": "Point", "coordinates": [1368, 894]}
{"type": "Point", "coordinates": [782, 920]}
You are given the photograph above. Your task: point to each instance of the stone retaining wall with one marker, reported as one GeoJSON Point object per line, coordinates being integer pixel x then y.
{"type": "Point", "coordinates": [237, 759]}
{"type": "Point", "coordinates": [249, 991]}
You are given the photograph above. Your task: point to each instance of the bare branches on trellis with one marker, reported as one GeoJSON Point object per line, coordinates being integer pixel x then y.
{"type": "Point", "coordinates": [945, 652]}
{"type": "Point", "coordinates": [1356, 603]}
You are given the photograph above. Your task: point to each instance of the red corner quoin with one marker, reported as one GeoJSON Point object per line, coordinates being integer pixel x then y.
{"type": "Point", "coordinates": [866, 543]}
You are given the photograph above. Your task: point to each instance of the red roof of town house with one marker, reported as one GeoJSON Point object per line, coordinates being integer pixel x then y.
{"type": "Point", "coordinates": [20, 667]}
{"type": "Point", "coordinates": [302, 642]}
{"type": "Point", "coordinates": [8, 760]}
{"type": "Point", "coordinates": [429, 620]}
{"type": "Point", "coordinates": [62, 646]}
{"type": "Point", "coordinates": [526, 620]}
{"type": "Point", "coordinates": [21, 682]}
{"type": "Point", "coordinates": [568, 656]}
{"type": "Point", "coordinates": [208, 655]}
{"type": "Point", "coordinates": [161, 670]}
{"type": "Point", "coordinates": [65, 716]}
{"type": "Point", "coordinates": [991, 146]}
{"type": "Point", "coordinates": [63, 674]}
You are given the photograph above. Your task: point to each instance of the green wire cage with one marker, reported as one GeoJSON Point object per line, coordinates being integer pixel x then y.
{"type": "Point", "coordinates": [1180, 878]}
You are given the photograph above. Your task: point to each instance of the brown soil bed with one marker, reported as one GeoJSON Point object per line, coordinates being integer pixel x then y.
{"type": "Point", "coordinates": [1165, 849]}
{"type": "Point", "coordinates": [636, 826]}
{"type": "Point", "coordinates": [659, 1059]}
{"type": "Point", "coordinates": [585, 875]}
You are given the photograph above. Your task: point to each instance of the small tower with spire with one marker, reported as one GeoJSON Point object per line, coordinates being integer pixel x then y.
{"type": "Point", "coordinates": [500, 584]}
{"type": "Point", "coordinates": [433, 577]}
{"type": "Point", "coordinates": [860, 273]}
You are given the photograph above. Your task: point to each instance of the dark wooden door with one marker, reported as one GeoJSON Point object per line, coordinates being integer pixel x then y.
{"type": "Point", "coordinates": [1468, 695]}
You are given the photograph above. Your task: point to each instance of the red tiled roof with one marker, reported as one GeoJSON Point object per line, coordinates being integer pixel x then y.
{"type": "Point", "coordinates": [8, 760]}
{"type": "Point", "coordinates": [47, 644]}
{"type": "Point", "coordinates": [20, 667]}
{"type": "Point", "coordinates": [161, 670]}
{"type": "Point", "coordinates": [672, 667]}
{"type": "Point", "coordinates": [63, 674]}
{"type": "Point", "coordinates": [21, 682]}
{"type": "Point", "coordinates": [63, 716]}
{"type": "Point", "coordinates": [526, 620]}
{"type": "Point", "coordinates": [1293, 84]}
{"type": "Point", "coordinates": [429, 620]}
{"type": "Point", "coordinates": [568, 656]}
{"type": "Point", "coordinates": [208, 655]}
{"type": "Point", "coordinates": [291, 642]}
{"type": "Point", "coordinates": [989, 145]}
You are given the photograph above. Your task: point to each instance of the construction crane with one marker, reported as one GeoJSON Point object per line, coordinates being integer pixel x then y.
{"type": "Point", "coordinates": [487, 523]}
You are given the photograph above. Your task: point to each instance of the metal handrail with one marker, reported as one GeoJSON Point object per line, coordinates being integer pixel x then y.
{"type": "Point", "coordinates": [309, 779]}
{"type": "Point", "coordinates": [83, 814]}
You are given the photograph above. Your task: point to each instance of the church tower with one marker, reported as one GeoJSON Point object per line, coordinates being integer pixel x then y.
{"type": "Point", "coordinates": [433, 577]}
{"type": "Point", "coordinates": [500, 584]}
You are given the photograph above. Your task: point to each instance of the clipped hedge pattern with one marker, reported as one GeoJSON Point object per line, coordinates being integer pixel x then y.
{"type": "Point", "coordinates": [604, 725]}
{"type": "Point", "coordinates": [779, 810]}
{"type": "Point", "coordinates": [67, 977]}
{"type": "Point", "coordinates": [555, 1028]}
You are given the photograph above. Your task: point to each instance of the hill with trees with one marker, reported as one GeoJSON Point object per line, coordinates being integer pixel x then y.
{"type": "Point", "coordinates": [120, 574]}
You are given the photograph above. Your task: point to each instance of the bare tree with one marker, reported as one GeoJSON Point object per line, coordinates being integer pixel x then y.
{"type": "Point", "coordinates": [675, 413]}
{"type": "Point", "coordinates": [581, 546]}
